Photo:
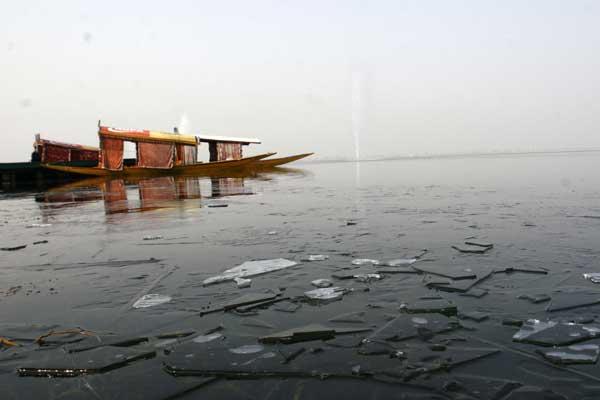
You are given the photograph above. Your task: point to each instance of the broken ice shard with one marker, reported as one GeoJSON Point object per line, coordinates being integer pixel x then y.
{"type": "Point", "coordinates": [368, 277]}
{"type": "Point", "coordinates": [326, 294]}
{"type": "Point", "coordinates": [408, 326]}
{"type": "Point", "coordinates": [151, 300]}
{"type": "Point", "coordinates": [552, 333]}
{"type": "Point", "coordinates": [321, 283]}
{"type": "Point", "coordinates": [592, 276]}
{"type": "Point", "coordinates": [575, 354]}
{"type": "Point", "coordinates": [242, 283]}
{"type": "Point", "coordinates": [364, 261]}
{"type": "Point", "coordinates": [251, 268]}
{"type": "Point", "coordinates": [431, 306]}
{"type": "Point", "coordinates": [309, 333]}
{"type": "Point", "coordinates": [315, 257]}
{"type": "Point", "coordinates": [569, 300]}
{"type": "Point", "coordinates": [401, 262]}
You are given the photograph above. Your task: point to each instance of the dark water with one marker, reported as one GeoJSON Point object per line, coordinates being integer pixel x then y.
{"type": "Point", "coordinates": [542, 213]}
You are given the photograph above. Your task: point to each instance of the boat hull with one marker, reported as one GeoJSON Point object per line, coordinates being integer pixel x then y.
{"type": "Point", "coordinates": [209, 168]}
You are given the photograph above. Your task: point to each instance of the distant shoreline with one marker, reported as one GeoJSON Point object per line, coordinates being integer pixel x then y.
{"type": "Point", "coordinates": [450, 156]}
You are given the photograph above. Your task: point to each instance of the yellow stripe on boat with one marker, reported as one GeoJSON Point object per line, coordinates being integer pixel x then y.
{"type": "Point", "coordinates": [146, 136]}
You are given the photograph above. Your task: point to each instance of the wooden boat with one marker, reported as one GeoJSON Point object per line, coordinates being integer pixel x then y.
{"type": "Point", "coordinates": [158, 153]}
{"type": "Point", "coordinates": [275, 162]}
{"type": "Point", "coordinates": [209, 168]}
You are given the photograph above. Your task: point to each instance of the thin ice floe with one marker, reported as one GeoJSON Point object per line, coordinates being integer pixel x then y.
{"type": "Point", "coordinates": [322, 283]}
{"type": "Point", "coordinates": [365, 261]}
{"type": "Point", "coordinates": [592, 276]}
{"type": "Point", "coordinates": [247, 349]}
{"type": "Point", "coordinates": [531, 327]}
{"type": "Point", "coordinates": [251, 268]}
{"type": "Point", "coordinates": [575, 354]}
{"type": "Point", "coordinates": [401, 262]}
{"type": "Point", "coordinates": [153, 237]}
{"type": "Point", "coordinates": [368, 277]}
{"type": "Point", "coordinates": [242, 283]}
{"type": "Point", "coordinates": [206, 338]}
{"type": "Point", "coordinates": [315, 257]}
{"type": "Point", "coordinates": [323, 294]}
{"type": "Point", "coordinates": [39, 225]}
{"type": "Point", "coordinates": [151, 300]}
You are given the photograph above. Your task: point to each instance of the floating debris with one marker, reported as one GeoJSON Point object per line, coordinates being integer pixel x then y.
{"type": "Point", "coordinates": [11, 291]}
{"type": "Point", "coordinates": [41, 340]}
{"type": "Point", "coordinates": [431, 306]}
{"type": "Point", "coordinates": [322, 283]}
{"type": "Point", "coordinates": [309, 333]}
{"type": "Point", "coordinates": [477, 244]}
{"type": "Point", "coordinates": [315, 257]}
{"type": "Point", "coordinates": [95, 361]}
{"type": "Point", "coordinates": [401, 262]}
{"type": "Point", "coordinates": [575, 354]}
{"type": "Point", "coordinates": [242, 283]}
{"type": "Point", "coordinates": [535, 298]}
{"type": "Point", "coordinates": [326, 294]}
{"type": "Point", "coordinates": [154, 237]}
{"type": "Point", "coordinates": [527, 270]}
{"type": "Point", "coordinates": [251, 268]}
{"type": "Point", "coordinates": [7, 342]}
{"type": "Point", "coordinates": [213, 205]}
{"type": "Point", "coordinates": [365, 261]}
{"type": "Point", "coordinates": [272, 233]}
{"type": "Point", "coordinates": [40, 242]}
{"type": "Point", "coordinates": [247, 299]}
{"type": "Point", "coordinates": [177, 334]}
{"type": "Point", "coordinates": [14, 248]}
{"type": "Point", "coordinates": [472, 249]}
{"type": "Point", "coordinates": [151, 300]}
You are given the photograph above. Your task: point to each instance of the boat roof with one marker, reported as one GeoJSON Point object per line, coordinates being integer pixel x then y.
{"type": "Point", "coordinates": [65, 145]}
{"type": "Point", "coordinates": [136, 135]}
{"type": "Point", "coordinates": [227, 139]}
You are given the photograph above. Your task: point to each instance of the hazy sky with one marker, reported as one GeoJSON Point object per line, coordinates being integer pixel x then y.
{"type": "Point", "coordinates": [407, 77]}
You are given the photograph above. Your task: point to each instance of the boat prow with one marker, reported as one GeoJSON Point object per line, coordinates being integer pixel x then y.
{"type": "Point", "coordinates": [275, 162]}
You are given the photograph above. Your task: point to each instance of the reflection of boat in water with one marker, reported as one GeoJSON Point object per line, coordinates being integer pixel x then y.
{"type": "Point", "coordinates": [222, 187]}
{"type": "Point", "coordinates": [141, 194]}
{"type": "Point", "coordinates": [162, 153]}
{"type": "Point", "coordinates": [152, 193]}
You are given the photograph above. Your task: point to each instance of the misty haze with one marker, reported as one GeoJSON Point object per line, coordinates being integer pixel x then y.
{"type": "Point", "coordinates": [307, 200]}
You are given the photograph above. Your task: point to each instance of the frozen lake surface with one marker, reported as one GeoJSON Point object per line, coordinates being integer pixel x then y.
{"type": "Point", "coordinates": [121, 266]}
